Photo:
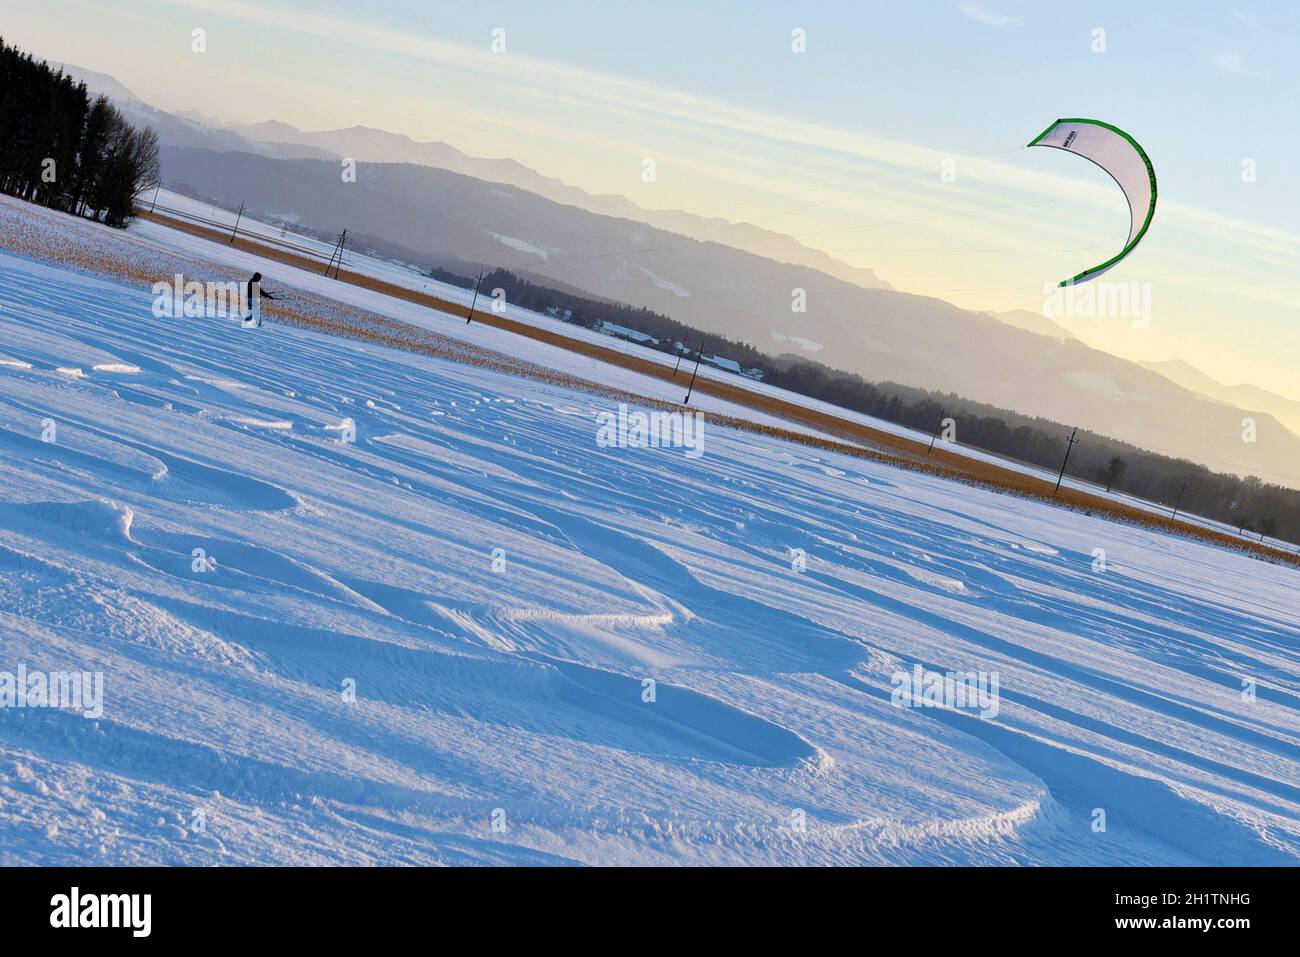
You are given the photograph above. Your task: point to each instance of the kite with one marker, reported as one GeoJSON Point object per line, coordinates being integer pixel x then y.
{"type": "Point", "coordinates": [1128, 165]}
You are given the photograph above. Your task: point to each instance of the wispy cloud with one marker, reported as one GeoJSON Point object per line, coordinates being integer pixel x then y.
{"type": "Point", "coordinates": [1233, 64]}
{"type": "Point", "coordinates": [980, 13]}
{"type": "Point", "coordinates": [833, 162]}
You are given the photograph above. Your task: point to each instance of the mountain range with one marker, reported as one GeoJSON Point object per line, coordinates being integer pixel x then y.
{"type": "Point", "coordinates": [380, 146]}
{"type": "Point", "coordinates": [442, 207]}
{"type": "Point", "coordinates": [1244, 396]}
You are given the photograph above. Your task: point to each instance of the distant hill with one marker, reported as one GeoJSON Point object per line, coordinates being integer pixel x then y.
{"type": "Point", "coordinates": [98, 84]}
{"type": "Point", "coordinates": [1248, 397]}
{"type": "Point", "coordinates": [177, 129]}
{"type": "Point", "coordinates": [381, 146]}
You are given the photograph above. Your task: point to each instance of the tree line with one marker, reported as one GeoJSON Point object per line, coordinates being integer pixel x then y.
{"type": "Point", "coordinates": [1246, 503]}
{"type": "Point", "coordinates": [61, 149]}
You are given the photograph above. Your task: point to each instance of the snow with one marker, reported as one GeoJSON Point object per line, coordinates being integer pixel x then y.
{"type": "Point", "coordinates": [509, 687]}
{"type": "Point", "coordinates": [610, 329]}
{"type": "Point", "coordinates": [523, 246]}
{"type": "Point", "coordinates": [678, 290]}
{"type": "Point", "coordinates": [807, 345]}
{"type": "Point", "coordinates": [722, 362]}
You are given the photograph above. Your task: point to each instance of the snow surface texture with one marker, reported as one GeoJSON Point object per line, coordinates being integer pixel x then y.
{"type": "Point", "coordinates": [513, 695]}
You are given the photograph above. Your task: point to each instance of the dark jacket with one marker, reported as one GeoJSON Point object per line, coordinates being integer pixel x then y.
{"type": "Point", "coordinates": [248, 294]}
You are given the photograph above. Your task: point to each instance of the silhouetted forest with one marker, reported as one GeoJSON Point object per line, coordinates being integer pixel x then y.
{"type": "Point", "coordinates": [61, 149]}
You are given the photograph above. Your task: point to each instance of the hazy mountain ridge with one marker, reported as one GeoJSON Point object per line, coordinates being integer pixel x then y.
{"type": "Point", "coordinates": [179, 129]}
{"type": "Point", "coordinates": [98, 84]}
{"type": "Point", "coordinates": [1034, 322]}
{"type": "Point", "coordinates": [284, 141]}
{"type": "Point", "coordinates": [366, 144]}
{"type": "Point", "coordinates": [1074, 390]}
{"type": "Point", "coordinates": [1243, 396]}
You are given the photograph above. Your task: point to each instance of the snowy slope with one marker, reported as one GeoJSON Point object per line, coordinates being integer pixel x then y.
{"type": "Point", "coordinates": [516, 695]}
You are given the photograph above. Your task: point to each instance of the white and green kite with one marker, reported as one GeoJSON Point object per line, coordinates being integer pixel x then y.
{"type": "Point", "coordinates": [1128, 165]}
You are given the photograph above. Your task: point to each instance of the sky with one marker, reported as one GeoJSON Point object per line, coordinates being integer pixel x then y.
{"type": "Point", "coordinates": [894, 140]}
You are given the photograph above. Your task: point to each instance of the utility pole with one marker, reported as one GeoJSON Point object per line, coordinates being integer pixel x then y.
{"type": "Point", "coordinates": [935, 433]}
{"type": "Point", "coordinates": [155, 194]}
{"type": "Point", "coordinates": [1178, 501]}
{"type": "Point", "coordinates": [1068, 447]}
{"type": "Point", "coordinates": [679, 360]}
{"type": "Point", "coordinates": [338, 251]}
{"type": "Point", "coordinates": [474, 301]}
{"type": "Point", "coordinates": [235, 231]}
{"type": "Point", "coordinates": [690, 388]}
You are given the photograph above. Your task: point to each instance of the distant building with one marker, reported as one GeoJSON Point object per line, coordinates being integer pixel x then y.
{"type": "Point", "coordinates": [731, 365]}
{"type": "Point", "coordinates": [556, 312]}
{"type": "Point", "coordinates": [622, 332]}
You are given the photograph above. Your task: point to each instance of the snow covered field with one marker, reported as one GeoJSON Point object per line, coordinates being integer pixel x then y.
{"type": "Point", "coordinates": [170, 240]}
{"type": "Point", "coordinates": [498, 589]}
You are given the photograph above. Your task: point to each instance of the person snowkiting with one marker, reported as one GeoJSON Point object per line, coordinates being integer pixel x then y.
{"type": "Point", "coordinates": [253, 294]}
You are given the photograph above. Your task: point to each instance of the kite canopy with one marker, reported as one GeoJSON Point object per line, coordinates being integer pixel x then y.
{"type": "Point", "coordinates": [1127, 163]}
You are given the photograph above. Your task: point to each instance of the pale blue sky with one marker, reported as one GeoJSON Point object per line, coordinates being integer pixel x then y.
{"type": "Point", "coordinates": [841, 146]}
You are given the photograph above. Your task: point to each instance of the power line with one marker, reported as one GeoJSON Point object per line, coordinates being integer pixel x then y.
{"type": "Point", "coordinates": [935, 433]}
{"type": "Point", "coordinates": [474, 301]}
{"type": "Point", "coordinates": [690, 388]}
{"type": "Point", "coordinates": [1178, 501]}
{"type": "Point", "coordinates": [1069, 445]}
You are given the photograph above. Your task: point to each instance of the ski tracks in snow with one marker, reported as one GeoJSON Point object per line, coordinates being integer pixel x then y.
{"type": "Point", "coordinates": [609, 653]}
